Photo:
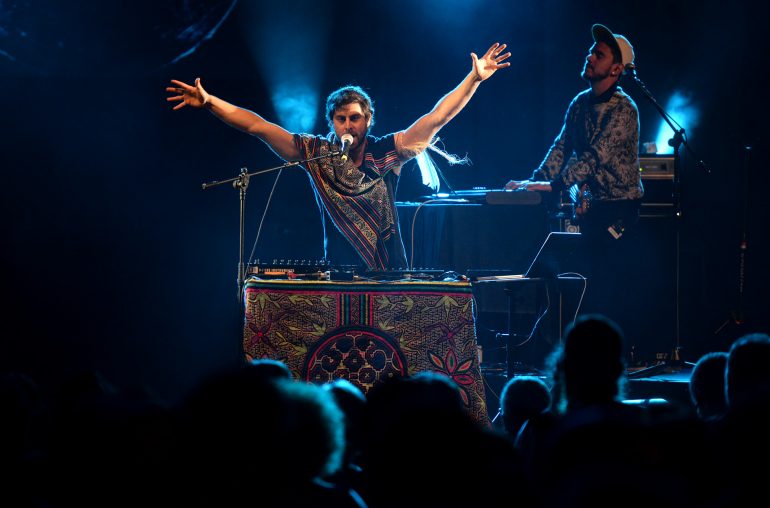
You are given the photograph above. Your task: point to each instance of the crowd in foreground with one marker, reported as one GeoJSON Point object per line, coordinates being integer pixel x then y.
{"type": "Point", "coordinates": [254, 436]}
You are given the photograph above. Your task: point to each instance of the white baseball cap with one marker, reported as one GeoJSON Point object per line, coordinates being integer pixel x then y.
{"type": "Point", "coordinates": [617, 42]}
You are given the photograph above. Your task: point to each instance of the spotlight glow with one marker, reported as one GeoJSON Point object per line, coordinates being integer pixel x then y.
{"type": "Point", "coordinates": [296, 105]}
{"type": "Point", "coordinates": [289, 43]}
{"type": "Point", "coordinates": [684, 112]}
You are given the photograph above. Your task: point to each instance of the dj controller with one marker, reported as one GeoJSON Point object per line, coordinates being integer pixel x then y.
{"type": "Point", "coordinates": [303, 269]}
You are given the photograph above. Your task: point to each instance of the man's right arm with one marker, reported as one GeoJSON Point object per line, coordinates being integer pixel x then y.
{"type": "Point", "coordinates": [561, 149]}
{"type": "Point", "coordinates": [273, 135]}
{"type": "Point", "coordinates": [554, 160]}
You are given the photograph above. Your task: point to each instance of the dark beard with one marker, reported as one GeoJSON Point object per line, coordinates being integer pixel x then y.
{"type": "Point", "coordinates": [595, 77]}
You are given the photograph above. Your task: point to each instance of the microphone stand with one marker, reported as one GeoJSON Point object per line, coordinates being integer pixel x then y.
{"type": "Point", "coordinates": [675, 142]}
{"type": "Point", "coordinates": [737, 317]}
{"type": "Point", "coordinates": [241, 182]}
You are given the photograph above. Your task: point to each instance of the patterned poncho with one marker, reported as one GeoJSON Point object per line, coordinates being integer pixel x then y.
{"type": "Point", "coordinates": [359, 201]}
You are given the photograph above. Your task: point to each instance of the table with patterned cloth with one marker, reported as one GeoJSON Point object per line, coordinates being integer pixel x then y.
{"type": "Point", "coordinates": [366, 331]}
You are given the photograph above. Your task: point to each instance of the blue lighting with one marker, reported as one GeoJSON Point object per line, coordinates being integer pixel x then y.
{"type": "Point", "coordinates": [296, 105]}
{"type": "Point", "coordinates": [681, 108]}
{"type": "Point", "coordinates": [288, 42]}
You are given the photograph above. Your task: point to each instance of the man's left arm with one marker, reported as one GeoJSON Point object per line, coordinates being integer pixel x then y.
{"type": "Point", "coordinates": [417, 137]}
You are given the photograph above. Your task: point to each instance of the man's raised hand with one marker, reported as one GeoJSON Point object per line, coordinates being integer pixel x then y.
{"type": "Point", "coordinates": [187, 95]}
{"type": "Point", "coordinates": [492, 60]}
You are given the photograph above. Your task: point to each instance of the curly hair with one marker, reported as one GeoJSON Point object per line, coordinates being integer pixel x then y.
{"type": "Point", "coordinates": [347, 95]}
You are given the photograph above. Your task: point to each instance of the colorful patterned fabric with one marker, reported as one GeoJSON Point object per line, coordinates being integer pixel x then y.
{"type": "Point", "coordinates": [367, 332]}
{"type": "Point", "coordinates": [359, 201]}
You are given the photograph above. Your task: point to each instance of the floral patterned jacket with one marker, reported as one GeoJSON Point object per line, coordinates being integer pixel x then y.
{"type": "Point", "coordinates": [598, 145]}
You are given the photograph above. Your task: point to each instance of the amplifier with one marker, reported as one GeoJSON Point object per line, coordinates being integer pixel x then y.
{"type": "Point", "coordinates": [658, 180]}
{"type": "Point", "coordinates": [656, 167]}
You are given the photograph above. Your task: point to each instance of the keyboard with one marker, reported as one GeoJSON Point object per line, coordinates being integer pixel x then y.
{"type": "Point", "coordinates": [490, 196]}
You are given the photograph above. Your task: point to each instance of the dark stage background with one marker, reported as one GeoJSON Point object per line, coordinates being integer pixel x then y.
{"type": "Point", "coordinates": [114, 259]}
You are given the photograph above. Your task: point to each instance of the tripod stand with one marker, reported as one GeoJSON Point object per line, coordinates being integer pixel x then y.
{"type": "Point", "coordinates": [737, 316]}
{"type": "Point", "coordinates": [675, 363]}
{"type": "Point", "coordinates": [241, 182]}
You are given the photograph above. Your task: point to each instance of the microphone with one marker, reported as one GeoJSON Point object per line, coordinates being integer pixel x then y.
{"type": "Point", "coordinates": [631, 68]}
{"type": "Point", "coordinates": [346, 140]}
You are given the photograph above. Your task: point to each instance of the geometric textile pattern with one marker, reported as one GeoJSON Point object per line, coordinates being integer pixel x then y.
{"type": "Point", "coordinates": [359, 354]}
{"type": "Point", "coordinates": [366, 331]}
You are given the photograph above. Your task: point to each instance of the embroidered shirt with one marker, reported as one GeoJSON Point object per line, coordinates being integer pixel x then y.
{"type": "Point", "coordinates": [598, 145]}
{"type": "Point", "coordinates": [358, 201]}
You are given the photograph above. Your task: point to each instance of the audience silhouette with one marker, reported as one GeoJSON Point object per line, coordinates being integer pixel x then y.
{"type": "Point", "coordinates": [743, 436]}
{"type": "Point", "coordinates": [263, 439]}
{"type": "Point", "coordinates": [257, 435]}
{"type": "Point", "coordinates": [107, 445]}
{"type": "Point", "coordinates": [423, 449]}
{"type": "Point", "coordinates": [522, 398]}
{"type": "Point", "coordinates": [352, 401]}
{"type": "Point", "coordinates": [593, 449]}
{"type": "Point", "coordinates": [707, 385]}
{"type": "Point", "coordinates": [269, 368]}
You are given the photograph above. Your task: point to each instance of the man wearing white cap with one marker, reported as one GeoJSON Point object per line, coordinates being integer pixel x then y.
{"type": "Point", "coordinates": [596, 152]}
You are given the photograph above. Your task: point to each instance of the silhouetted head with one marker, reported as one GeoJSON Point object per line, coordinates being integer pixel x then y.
{"type": "Point", "coordinates": [522, 398]}
{"type": "Point", "coordinates": [748, 376]}
{"type": "Point", "coordinates": [591, 362]}
{"type": "Point", "coordinates": [269, 369]}
{"type": "Point", "coordinates": [707, 385]}
{"type": "Point", "coordinates": [352, 402]}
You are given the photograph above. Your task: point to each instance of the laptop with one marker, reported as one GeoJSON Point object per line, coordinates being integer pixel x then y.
{"type": "Point", "coordinates": [558, 254]}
